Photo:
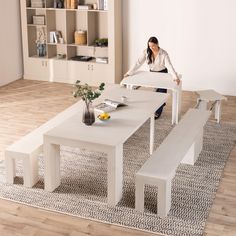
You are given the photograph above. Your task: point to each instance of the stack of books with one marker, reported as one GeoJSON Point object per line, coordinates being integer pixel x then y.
{"type": "Point", "coordinates": [102, 60]}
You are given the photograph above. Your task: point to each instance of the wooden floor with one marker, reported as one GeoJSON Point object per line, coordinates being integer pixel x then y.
{"type": "Point", "coordinates": [24, 105]}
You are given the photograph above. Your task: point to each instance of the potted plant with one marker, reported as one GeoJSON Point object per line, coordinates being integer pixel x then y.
{"type": "Point", "coordinates": [88, 95]}
{"type": "Point", "coordinates": [103, 42]}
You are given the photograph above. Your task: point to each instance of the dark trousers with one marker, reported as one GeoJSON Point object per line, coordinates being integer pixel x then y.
{"type": "Point", "coordinates": [161, 90]}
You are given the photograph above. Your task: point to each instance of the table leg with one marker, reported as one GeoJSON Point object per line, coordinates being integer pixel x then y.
{"type": "Point", "coordinates": [115, 175]}
{"type": "Point", "coordinates": [174, 107]}
{"type": "Point", "coordinates": [129, 86]}
{"type": "Point", "coordinates": [218, 111]}
{"type": "Point", "coordinates": [152, 127]}
{"type": "Point", "coordinates": [179, 102]}
{"type": "Point", "coordinates": [52, 178]}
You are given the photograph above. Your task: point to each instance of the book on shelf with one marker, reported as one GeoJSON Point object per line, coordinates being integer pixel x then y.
{"type": "Point", "coordinates": [51, 37]}
{"type": "Point", "coordinates": [85, 7]}
{"type": "Point", "coordinates": [57, 36]}
{"type": "Point", "coordinates": [108, 105]}
{"type": "Point", "coordinates": [54, 36]}
{"type": "Point", "coordinates": [105, 5]}
{"type": "Point", "coordinates": [100, 4]}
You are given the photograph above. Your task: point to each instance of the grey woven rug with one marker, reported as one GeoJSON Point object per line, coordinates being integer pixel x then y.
{"type": "Point", "coordinates": [84, 179]}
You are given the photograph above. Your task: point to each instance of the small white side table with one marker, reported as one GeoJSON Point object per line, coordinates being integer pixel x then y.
{"type": "Point", "coordinates": [158, 80]}
{"type": "Point", "coordinates": [210, 96]}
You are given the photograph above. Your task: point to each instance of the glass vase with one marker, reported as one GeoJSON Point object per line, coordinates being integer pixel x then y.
{"type": "Point", "coordinates": [88, 117]}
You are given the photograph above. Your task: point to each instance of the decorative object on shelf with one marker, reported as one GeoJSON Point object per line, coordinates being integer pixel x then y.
{"type": "Point", "coordinates": [37, 3]}
{"type": "Point", "coordinates": [58, 4]}
{"type": "Point", "coordinates": [67, 4]}
{"type": "Point", "coordinates": [81, 58]}
{"type": "Point", "coordinates": [73, 4]}
{"type": "Point", "coordinates": [95, 6]}
{"type": "Point", "coordinates": [61, 56]}
{"type": "Point", "coordinates": [88, 95]}
{"type": "Point", "coordinates": [41, 43]}
{"type": "Point", "coordinates": [39, 20]}
{"type": "Point", "coordinates": [81, 37]}
{"type": "Point", "coordinates": [41, 49]}
{"type": "Point", "coordinates": [103, 42]}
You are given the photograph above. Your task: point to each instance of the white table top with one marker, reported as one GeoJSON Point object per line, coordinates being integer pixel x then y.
{"type": "Point", "coordinates": [151, 79]}
{"type": "Point", "coordinates": [123, 122]}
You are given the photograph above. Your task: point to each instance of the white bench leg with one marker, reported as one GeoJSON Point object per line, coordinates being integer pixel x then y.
{"type": "Point", "coordinates": [10, 169]}
{"type": "Point", "coordinates": [195, 149]}
{"type": "Point", "coordinates": [189, 156]}
{"type": "Point", "coordinates": [218, 111]}
{"type": "Point", "coordinates": [139, 194]}
{"type": "Point", "coordinates": [30, 170]}
{"type": "Point", "coordinates": [198, 144]}
{"type": "Point", "coordinates": [203, 105]}
{"type": "Point", "coordinates": [164, 198]}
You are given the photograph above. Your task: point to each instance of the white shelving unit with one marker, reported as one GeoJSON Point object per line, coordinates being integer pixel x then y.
{"type": "Point", "coordinates": [96, 23]}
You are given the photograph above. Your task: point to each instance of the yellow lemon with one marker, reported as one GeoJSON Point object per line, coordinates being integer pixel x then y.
{"type": "Point", "coordinates": [104, 116]}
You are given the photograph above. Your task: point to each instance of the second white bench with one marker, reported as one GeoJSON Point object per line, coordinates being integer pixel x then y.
{"type": "Point", "coordinates": [30, 146]}
{"type": "Point", "coordinates": [183, 144]}
{"type": "Point", "coordinates": [210, 96]}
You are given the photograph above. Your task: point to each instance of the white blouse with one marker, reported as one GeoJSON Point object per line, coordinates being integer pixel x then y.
{"type": "Point", "coordinates": [161, 62]}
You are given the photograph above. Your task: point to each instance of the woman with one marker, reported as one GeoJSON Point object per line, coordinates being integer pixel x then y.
{"type": "Point", "coordinates": [158, 61]}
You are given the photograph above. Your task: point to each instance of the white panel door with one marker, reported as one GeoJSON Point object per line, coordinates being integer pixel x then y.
{"type": "Point", "coordinates": [36, 69]}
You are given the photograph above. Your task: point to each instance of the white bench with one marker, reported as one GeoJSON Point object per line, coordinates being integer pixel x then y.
{"type": "Point", "coordinates": [30, 146]}
{"type": "Point", "coordinates": [183, 144]}
{"type": "Point", "coordinates": [208, 96]}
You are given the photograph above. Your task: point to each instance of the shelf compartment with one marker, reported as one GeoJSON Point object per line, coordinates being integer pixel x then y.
{"type": "Point", "coordinates": [56, 22]}
{"type": "Point", "coordinates": [79, 51]}
{"type": "Point", "coordinates": [55, 49]}
{"type": "Point", "coordinates": [75, 21]}
{"type": "Point", "coordinates": [36, 3]}
{"type": "Point", "coordinates": [97, 26]}
{"type": "Point", "coordinates": [34, 34]}
{"type": "Point", "coordinates": [50, 4]}
{"type": "Point", "coordinates": [34, 12]}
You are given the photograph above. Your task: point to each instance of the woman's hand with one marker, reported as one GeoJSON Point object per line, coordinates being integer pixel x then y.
{"type": "Point", "coordinates": [177, 81]}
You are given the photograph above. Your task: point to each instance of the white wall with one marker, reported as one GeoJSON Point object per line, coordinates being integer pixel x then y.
{"type": "Point", "coordinates": [199, 35]}
{"type": "Point", "coordinates": [10, 42]}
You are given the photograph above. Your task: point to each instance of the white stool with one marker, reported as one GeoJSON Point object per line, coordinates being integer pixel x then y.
{"type": "Point", "coordinates": [210, 96]}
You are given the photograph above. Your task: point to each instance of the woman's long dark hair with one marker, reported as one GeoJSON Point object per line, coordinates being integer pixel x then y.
{"type": "Point", "coordinates": [149, 51]}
